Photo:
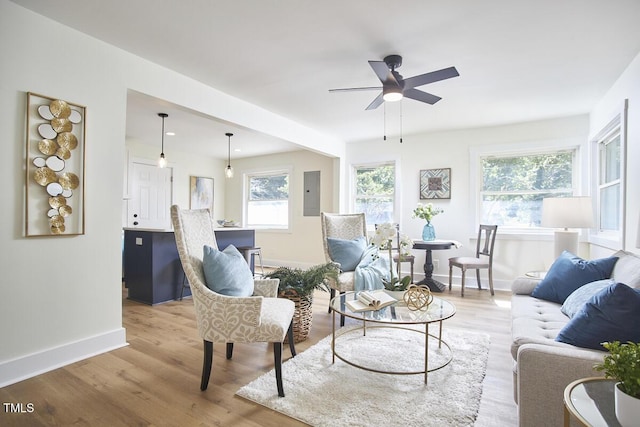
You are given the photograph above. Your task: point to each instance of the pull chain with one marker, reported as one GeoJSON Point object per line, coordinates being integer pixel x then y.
{"type": "Point", "coordinates": [384, 121]}
{"type": "Point", "coordinates": [400, 121]}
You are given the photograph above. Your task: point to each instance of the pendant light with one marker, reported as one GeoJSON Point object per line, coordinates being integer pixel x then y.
{"type": "Point", "coordinates": [228, 172]}
{"type": "Point", "coordinates": [162, 162]}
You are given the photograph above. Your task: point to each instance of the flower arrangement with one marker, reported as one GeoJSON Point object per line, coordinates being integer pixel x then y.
{"type": "Point", "coordinates": [426, 212]}
{"type": "Point", "coordinates": [623, 364]}
{"type": "Point", "coordinates": [383, 239]}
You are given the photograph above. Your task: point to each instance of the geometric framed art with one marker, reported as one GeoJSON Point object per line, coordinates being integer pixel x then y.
{"type": "Point", "coordinates": [201, 193]}
{"type": "Point", "coordinates": [435, 183]}
{"type": "Point", "coordinates": [55, 154]}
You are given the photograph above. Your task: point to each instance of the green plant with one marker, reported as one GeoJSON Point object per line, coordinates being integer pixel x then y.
{"type": "Point", "coordinates": [304, 282]}
{"type": "Point", "coordinates": [426, 212]}
{"type": "Point", "coordinates": [623, 364]}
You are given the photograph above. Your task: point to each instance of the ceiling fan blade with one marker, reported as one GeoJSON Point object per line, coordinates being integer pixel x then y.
{"type": "Point", "coordinates": [383, 72]}
{"type": "Point", "coordinates": [376, 102]}
{"type": "Point", "coordinates": [434, 76]}
{"type": "Point", "coordinates": [419, 95]}
{"type": "Point", "coordinates": [355, 89]}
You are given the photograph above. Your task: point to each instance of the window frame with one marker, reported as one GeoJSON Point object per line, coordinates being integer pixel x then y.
{"type": "Point", "coordinates": [369, 165]}
{"type": "Point", "coordinates": [574, 145]}
{"type": "Point", "coordinates": [612, 239]}
{"type": "Point", "coordinates": [275, 171]}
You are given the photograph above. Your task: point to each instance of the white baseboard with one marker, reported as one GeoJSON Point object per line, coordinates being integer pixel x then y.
{"type": "Point", "coordinates": [22, 368]}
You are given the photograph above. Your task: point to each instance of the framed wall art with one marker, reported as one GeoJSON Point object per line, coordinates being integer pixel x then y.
{"type": "Point", "coordinates": [55, 156]}
{"type": "Point", "coordinates": [435, 183]}
{"type": "Point", "coordinates": [201, 193]}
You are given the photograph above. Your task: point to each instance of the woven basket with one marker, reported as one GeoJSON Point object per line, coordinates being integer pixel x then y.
{"type": "Point", "coordinates": [302, 316]}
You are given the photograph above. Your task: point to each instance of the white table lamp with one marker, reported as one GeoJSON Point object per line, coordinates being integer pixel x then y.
{"type": "Point", "coordinates": [566, 213]}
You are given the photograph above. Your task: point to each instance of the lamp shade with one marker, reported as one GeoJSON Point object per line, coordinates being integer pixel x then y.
{"type": "Point", "coordinates": [567, 212]}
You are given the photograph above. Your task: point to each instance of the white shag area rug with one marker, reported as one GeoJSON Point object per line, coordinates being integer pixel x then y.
{"type": "Point", "coordinates": [320, 393]}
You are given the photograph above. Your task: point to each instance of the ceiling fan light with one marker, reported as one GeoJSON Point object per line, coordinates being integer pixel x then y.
{"type": "Point", "coordinates": [392, 94]}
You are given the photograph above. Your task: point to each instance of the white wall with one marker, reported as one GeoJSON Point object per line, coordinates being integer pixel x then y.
{"type": "Point", "coordinates": [60, 298]}
{"type": "Point", "coordinates": [452, 150]}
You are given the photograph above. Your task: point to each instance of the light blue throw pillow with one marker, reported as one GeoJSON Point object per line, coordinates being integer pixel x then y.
{"type": "Point", "coordinates": [347, 253]}
{"type": "Point", "coordinates": [568, 273]}
{"type": "Point", "coordinates": [227, 272]}
{"type": "Point", "coordinates": [580, 296]}
{"type": "Point", "coordinates": [613, 314]}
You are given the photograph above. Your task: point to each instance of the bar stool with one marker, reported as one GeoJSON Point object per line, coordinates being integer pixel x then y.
{"type": "Point", "coordinates": [250, 254]}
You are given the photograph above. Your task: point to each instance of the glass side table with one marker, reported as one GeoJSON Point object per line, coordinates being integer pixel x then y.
{"type": "Point", "coordinates": [591, 402]}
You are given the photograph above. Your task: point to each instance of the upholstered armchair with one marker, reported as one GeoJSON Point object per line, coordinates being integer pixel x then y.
{"type": "Point", "coordinates": [341, 226]}
{"type": "Point", "coordinates": [261, 317]}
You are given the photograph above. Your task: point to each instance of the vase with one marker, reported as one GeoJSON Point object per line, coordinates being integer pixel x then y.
{"type": "Point", "coordinates": [428, 232]}
{"type": "Point", "coordinates": [627, 408]}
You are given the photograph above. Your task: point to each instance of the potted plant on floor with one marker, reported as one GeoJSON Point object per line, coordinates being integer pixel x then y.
{"type": "Point", "coordinates": [623, 364]}
{"type": "Point", "coordinates": [298, 285]}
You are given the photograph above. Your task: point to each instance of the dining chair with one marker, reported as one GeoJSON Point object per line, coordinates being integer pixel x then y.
{"type": "Point", "coordinates": [346, 227]}
{"type": "Point", "coordinates": [482, 260]}
{"type": "Point", "coordinates": [261, 317]}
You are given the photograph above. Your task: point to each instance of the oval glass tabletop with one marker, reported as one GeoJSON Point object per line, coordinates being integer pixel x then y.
{"type": "Point", "coordinates": [439, 309]}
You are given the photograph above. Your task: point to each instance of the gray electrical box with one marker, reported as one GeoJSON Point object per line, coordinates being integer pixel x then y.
{"type": "Point", "coordinates": [311, 194]}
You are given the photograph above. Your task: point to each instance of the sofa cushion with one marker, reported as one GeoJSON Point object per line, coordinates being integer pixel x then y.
{"type": "Point", "coordinates": [627, 269]}
{"type": "Point", "coordinates": [227, 272]}
{"type": "Point", "coordinates": [580, 296]}
{"type": "Point", "coordinates": [347, 252]}
{"type": "Point", "coordinates": [535, 321]}
{"type": "Point", "coordinates": [568, 273]}
{"type": "Point", "coordinates": [613, 314]}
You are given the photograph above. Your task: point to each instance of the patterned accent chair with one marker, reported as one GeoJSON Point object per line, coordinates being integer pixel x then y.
{"type": "Point", "coordinates": [261, 317]}
{"type": "Point", "coordinates": [341, 226]}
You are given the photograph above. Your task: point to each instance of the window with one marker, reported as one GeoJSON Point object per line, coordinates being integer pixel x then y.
{"type": "Point", "coordinates": [609, 181]}
{"type": "Point", "coordinates": [375, 192]}
{"type": "Point", "coordinates": [267, 203]}
{"type": "Point", "coordinates": [512, 185]}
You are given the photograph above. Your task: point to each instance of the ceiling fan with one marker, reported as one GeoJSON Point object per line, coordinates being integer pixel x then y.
{"type": "Point", "coordinates": [395, 87]}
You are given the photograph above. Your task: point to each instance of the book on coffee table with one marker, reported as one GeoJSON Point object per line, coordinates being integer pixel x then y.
{"type": "Point", "coordinates": [370, 301]}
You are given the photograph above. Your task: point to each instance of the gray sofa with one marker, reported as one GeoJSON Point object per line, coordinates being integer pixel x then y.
{"type": "Point", "coordinates": [543, 367]}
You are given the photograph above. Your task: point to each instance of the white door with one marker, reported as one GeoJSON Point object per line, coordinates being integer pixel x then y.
{"type": "Point", "coordinates": [150, 197]}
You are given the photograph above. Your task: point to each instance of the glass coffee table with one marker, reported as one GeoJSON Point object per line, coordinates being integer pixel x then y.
{"type": "Point", "coordinates": [395, 316]}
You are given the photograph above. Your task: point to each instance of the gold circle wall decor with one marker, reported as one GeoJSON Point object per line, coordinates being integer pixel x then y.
{"type": "Point", "coordinates": [55, 161]}
{"type": "Point", "coordinates": [60, 109]}
{"type": "Point", "coordinates": [418, 297]}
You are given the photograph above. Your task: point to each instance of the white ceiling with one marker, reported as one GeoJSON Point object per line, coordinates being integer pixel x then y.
{"type": "Point", "coordinates": [518, 60]}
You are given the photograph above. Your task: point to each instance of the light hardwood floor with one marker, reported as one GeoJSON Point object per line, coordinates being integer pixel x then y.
{"type": "Point", "coordinates": [155, 380]}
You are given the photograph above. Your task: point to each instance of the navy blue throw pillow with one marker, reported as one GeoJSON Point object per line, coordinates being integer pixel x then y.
{"type": "Point", "coordinates": [613, 314]}
{"type": "Point", "coordinates": [568, 273]}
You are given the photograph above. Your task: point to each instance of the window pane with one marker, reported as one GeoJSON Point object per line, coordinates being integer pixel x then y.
{"type": "Point", "coordinates": [268, 214]}
{"type": "Point", "coordinates": [513, 186]}
{"type": "Point", "coordinates": [375, 191]}
{"type": "Point", "coordinates": [514, 210]}
{"type": "Point", "coordinates": [609, 208]}
{"type": "Point", "coordinates": [533, 172]}
{"type": "Point", "coordinates": [612, 160]}
{"type": "Point", "coordinates": [268, 200]}
{"type": "Point", "coordinates": [376, 210]}
{"type": "Point", "coordinates": [273, 187]}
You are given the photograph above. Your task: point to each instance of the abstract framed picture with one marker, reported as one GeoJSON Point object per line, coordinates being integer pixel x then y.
{"type": "Point", "coordinates": [201, 193]}
{"type": "Point", "coordinates": [435, 183]}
